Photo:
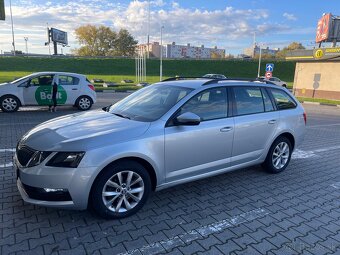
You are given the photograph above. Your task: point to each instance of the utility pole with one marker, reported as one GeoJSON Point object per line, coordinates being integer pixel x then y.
{"type": "Point", "coordinates": [161, 56]}
{"type": "Point", "coordinates": [26, 39]}
{"type": "Point", "coordinates": [259, 69]}
{"type": "Point", "coordinates": [148, 39]}
{"type": "Point", "coordinates": [13, 41]}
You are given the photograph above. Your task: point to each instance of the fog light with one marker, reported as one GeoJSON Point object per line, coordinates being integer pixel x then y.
{"type": "Point", "coordinates": [54, 190]}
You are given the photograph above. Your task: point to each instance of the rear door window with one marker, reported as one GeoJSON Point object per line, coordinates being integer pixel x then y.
{"type": "Point", "coordinates": [248, 100]}
{"type": "Point", "coordinates": [68, 80]}
{"type": "Point", "coordinates": [283, 100]}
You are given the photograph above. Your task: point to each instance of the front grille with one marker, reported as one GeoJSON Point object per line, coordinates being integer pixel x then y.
{"type": "Point", "coordinates": [24, 154]}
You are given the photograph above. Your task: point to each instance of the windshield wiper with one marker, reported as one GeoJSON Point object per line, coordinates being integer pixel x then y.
{"type": "Point", "coordinates": [122, 116]}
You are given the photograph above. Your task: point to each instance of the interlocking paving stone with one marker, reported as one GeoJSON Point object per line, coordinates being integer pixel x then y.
{"type": "Point", "coordinates": [302, 202]}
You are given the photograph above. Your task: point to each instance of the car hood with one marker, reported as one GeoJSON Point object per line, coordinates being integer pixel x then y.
{"type": "Point", "coordinates": [84, 131]}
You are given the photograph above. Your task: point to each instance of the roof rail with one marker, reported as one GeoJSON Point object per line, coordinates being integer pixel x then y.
{"type": "Point", "coordinates": [185, 77]}
{"type": "Point", "coordinates": [214, 81]}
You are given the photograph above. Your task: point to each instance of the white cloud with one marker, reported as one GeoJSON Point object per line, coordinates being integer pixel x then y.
{"type": "Point", "coordinates": [182, 25]}
{"type": "Point", "coordinates": [289, 16]}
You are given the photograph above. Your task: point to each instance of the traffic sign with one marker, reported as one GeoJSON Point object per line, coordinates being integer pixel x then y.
{"type": "Point", "coordinates": [269, 75]}
{"type": "Point", "coordinates": [270, 67]}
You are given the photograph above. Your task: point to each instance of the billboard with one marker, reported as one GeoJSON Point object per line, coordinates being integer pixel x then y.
{"type": "Point", "coordinates": [322, 31]}
{"type": "Point", "coordinates": [59, 36]}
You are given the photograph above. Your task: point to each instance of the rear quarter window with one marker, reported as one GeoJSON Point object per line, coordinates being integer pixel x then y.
{"type": "Point", "coordinates": [282, 99]}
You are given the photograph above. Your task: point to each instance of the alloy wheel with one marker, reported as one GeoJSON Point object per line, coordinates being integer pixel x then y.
{"type": "Point", "coordinates": [123, 191]}
{"type": "Point", "coordinates": [280, 155]}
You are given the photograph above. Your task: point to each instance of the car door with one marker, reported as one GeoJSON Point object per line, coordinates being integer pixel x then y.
{"type": "Point", "coordinates": [38, 90]}
{"type": "Point", "coordinates": [255, 123]}
{"type": "Point", "coordinates": [201, 149]}
{"type": "Point", "coordinates": [70, 86]}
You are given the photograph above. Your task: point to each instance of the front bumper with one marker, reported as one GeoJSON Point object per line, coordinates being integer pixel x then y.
{"type": "Point", "coordinates": [76, 182]}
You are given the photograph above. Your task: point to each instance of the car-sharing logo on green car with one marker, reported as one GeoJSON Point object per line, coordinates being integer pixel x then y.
{"type": "Point", "coordinates": [43, 95]}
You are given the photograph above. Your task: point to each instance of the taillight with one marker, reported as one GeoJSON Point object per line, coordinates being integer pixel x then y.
{"type": "Point", "coordinates": [305, 117]}
{"type": "Point", "coordinates": [91, 87]}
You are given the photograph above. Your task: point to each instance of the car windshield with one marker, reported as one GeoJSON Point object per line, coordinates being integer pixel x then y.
{"type": "Point", "coordinates": [149, 104]}
{"type": "Point", "coordinates": [20, 79]}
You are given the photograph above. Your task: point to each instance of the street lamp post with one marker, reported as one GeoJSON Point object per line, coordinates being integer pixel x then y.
{"type": "Point", "coordinates": [148, 38]}
{"type": "Point", "coordinates": [13, 41]}
{"type": "Point", "coordinates": [161, 56]}
{"type": "Point", "coordinates": [259, 68]}
{"type": "Point", "coordinates": [26, 39]}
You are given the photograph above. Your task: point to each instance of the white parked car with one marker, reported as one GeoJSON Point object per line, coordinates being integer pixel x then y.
{"type": "Point", "coordinates": [214, 76]}
{"type": "Point", "coordinates": [36, 89]}
{"type": "Point", "coordinates": [276, 81]}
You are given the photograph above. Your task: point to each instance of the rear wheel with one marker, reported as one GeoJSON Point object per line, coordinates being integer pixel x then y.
{"type": "Point", "coordinates": [9, 103]}
{"type": "Point", "coordinates": [84, 103]}
{"type": "Point", "coordinates": [121, 190]}
{"type": "Point", "coordinates": [278, 156]}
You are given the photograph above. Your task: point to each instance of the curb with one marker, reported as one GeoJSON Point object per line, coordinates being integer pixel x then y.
{"type": "Point", "coordinates": [316, 103]}
{"type": "Point", "coordinates": [114, 91]}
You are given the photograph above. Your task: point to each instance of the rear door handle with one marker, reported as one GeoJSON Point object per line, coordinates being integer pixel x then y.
{"type": "Point", "coordinates": [74, 89]}
{"type": "Point", "coordinates": [226, 129]}
{"type": "Point", "coordinates": [272, 122]}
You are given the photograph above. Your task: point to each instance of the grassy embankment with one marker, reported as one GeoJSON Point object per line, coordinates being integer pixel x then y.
{"type": "Point", "coordinates": [115, 70]}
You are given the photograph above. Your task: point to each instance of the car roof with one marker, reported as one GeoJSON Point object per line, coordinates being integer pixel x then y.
{"type": "Point", "coordinates": [199, 83]}
{"type": "Point", "coordinates": [52, 72]}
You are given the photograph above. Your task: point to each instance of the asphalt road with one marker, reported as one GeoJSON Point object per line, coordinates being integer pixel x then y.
{"type": "Point", "coordinates": [242, 212]}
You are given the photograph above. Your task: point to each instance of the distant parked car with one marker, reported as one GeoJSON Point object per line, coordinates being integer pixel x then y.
{"type": "Point", "coordinates": [214, 76]}
{"type": "Point", "coordinates": [127, 81]}
{"type": "Point", "coordinates": [36, 89]}
{"type": "Point", "coordinates": [276, 81]}
{"type": "Point", "coordinates": [143, 84]}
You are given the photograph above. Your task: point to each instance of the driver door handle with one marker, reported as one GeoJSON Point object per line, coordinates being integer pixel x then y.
{"type": "Point", "coordinates": [226, 129]}
{"type": "Point", "coordinates": [272, 122]}
{"type": "Point", "coordinates": [74, 89]}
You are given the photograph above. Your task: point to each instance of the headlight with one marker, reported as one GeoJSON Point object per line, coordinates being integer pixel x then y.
{"type": "Point", "coordinates": [66, 159]}
{"type": "Point", "coordinates": [37, 158]}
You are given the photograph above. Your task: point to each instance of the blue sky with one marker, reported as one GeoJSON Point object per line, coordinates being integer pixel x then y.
{"type": "Point", "coordinates": [226, 24]}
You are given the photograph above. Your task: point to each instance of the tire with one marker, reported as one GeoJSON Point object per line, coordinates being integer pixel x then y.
{"type": "Point", "coordinates": [9, 103]}
{"type": "Point", "coordinates": [118, 196]}
{"type": "Point", "coordinates": [84, 103]}
{"type": "Point", "coordinates": [284, 85]}
{"type": "Point", "coordinates": [274, 163]}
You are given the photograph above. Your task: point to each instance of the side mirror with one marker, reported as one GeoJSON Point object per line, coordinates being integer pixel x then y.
{"type": "Point", "coordinates": [188, 119]}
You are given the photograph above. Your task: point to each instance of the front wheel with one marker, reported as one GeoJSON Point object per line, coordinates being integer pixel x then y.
{"type": "Point", "coordinates": [9, 103]}
{"type": "Point", "coordinates": [121, 190]}
{"type": "Point", "coordinates": [84, 103]}
{"type": "Point", "coordinates": [278, 156]}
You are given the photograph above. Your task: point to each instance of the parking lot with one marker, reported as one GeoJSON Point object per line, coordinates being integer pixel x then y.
{"type": "Point", "coordinates": [242, 212]}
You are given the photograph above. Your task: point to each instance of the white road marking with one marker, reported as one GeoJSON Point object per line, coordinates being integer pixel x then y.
{"type": "Point", "coordinates": [5, 150]}
{"type": "Point", "coordinates": [187, 237]}
{"type": "Point", "coordinates": [21, 123]}
{"type": "Point", "coordinates": [324, 125]}
{"type": "Point", "coordinates": [301, 154]}
{"type": "Point", "coordinates": [9, 164]}
{"type": "Point", "coordinates": [336, 185]}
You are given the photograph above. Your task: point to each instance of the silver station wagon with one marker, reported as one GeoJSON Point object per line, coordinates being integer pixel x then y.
{"type": "Point", "coordinates": [172, 132]}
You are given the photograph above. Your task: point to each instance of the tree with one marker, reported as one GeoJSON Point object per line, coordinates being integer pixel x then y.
{"type": "Point", "coordinates": [292, 46]}
{"type": "Point", "coordinates": [103, 41]}
{"type": "Point", "coordinates": [125, 44]}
